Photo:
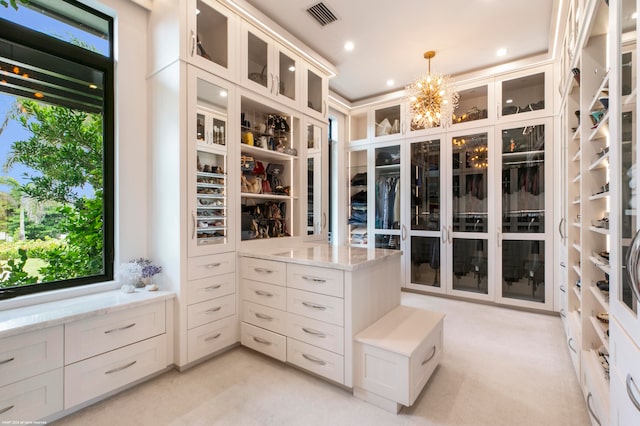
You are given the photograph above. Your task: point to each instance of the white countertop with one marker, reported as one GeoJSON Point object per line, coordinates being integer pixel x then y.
{"type": "Point", "coordinates": [325, 255]}
{"type": "Point", "coordinates": [43, 315]}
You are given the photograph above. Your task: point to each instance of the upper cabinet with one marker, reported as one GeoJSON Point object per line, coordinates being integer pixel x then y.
{"type": "Point", "coordinates": [524, 95]}
{"type": "Point", "coordinates": [473, 106]}
{"type": "Point", "coordinates": [316, 91]}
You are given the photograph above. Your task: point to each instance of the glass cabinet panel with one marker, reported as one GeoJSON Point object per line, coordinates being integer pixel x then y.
{"type": "Point", "coordinates": [387, 121]}
{"type": "Point", "coordinates": [287, 76]}
{"type": "Point", "coordinates": [314, 137]}
{"type": "Point", "coordinates": [470, 267]}
{"type": "Point", "coordinates": [357, 208]}
{"type": "Point", "coordinates": [387, 181]}
{"type": "Point", "coordinates": [258, 60]}
{"type": "Point", "coordinates": [388, 241]}
{"type": "Point", "coordinates": [425, 261]}
{"type": "Point", "coordinates": [523, 94]}
{"type": "Point", "coordinates": [470, 161]}
{"type": "Point", "coordinates": [629, 202]}
{"type": "Point", "coordinates": [211, 205]}
{"type": "Point", "coordinates": [425, 185]}
{"type": "Point", "coordinates": [314, 91]}
{"type": "Point", "coordinates": [472, 105]}
{"type": "Point", "coordinates": [212, 34]}
{"type": "Point", "coordinates": [523, 271]}
{"type": "Point", "coordinates": [523, 179]}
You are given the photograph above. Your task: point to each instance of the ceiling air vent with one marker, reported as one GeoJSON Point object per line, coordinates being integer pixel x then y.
{"type": "Point", "coordinates": [322, 14]}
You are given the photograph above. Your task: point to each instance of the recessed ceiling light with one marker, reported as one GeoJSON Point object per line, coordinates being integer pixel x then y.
{"type": "Point", "coordinates": [501, 52]}
{"type": "Point", "coordinates": [348, 46]}
{"type": "Point", "coordinates": [508, 101]}
{"type": "Point", "coordinates": [292, 68]}
{"type": "Point", "coordinates": [390, 83]}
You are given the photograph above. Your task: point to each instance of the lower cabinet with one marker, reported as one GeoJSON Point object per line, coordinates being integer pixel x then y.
{"type": "Point", "coordinates": [625, 378]}
{"type": "Point", "coordinates": [31, 399]}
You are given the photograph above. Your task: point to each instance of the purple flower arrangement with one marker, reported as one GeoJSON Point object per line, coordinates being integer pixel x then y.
{"type": "Point", "coordinates": [147, 267]}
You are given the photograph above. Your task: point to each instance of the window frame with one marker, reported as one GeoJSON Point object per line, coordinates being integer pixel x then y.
{"type": "Point", "coordinates": [19, 34]}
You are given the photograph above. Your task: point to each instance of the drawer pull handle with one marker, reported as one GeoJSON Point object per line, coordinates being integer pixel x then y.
{"type": "Point", "coordinates": [569, 344]}
{"type": "Point", "coordinates": [314, 332]}
{"type": "Point", "coordinates": [263, 316]}
{"type": "Point", "coordinates": [313, 279]}
{"type": "Point", "coordinates": [214, 337]}
{"type": "Point", "coordinates": [263, 341]}
{"type": "Point", "coordinates": [593, 414]}
{"type": "Point", "coordinates": [263, 293]}
{"type": "Point", "coordinates": [124, 367]}
{"type": "Point", "coordinates": [212, 287]}
{"type": "Point", "coordinates": [212, 265]}
{"type": "Point", "coordinates": [433, 353]}
{"type": "Point", "coordinates": [213, 310]}
{"type": "Point", "coordinates": [314, 359]}
{"type": "Point", "coordinates": [632, 397]}
{"type": "Point", "coordinates": [4, 410]}
{"type": "Point", "coordinates": [562, 313]}
{"type": "Point", "coordinates": [562, 289]}
{"type": "Point", "coordinates": [113, 330]}
{"type": "Point", "coordinates": [314, 306]}
{"type": "Point", "coordinates": [263, 270]}
{"type": "Point", "coordinates": [8, 360]}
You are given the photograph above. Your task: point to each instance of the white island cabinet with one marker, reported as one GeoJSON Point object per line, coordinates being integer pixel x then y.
{"type": "Point", "coordinates": [304, 305]}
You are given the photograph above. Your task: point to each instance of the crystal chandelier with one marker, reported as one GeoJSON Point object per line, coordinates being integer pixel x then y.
{"type": "Point", "coordinates": [432, 98]}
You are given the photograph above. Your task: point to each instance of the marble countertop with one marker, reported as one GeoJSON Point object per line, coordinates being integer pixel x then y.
{"type": "Point", "coordinates": [34, 317]}
{"type": "Point", "coordinates": [324, 255]}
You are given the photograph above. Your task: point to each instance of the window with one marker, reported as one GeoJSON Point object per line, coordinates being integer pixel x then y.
{"type": "Point", "coordinates": [56, 147]}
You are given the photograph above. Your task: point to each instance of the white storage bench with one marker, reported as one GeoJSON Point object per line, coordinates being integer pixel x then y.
{"type": "Point", "coordinates": [395, 356]}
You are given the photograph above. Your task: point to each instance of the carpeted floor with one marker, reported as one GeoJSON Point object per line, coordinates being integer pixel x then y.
{"type": "Point", "coordinates": [500, 367]}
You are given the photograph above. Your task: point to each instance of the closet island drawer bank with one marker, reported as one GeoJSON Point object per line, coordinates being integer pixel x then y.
{"type": "Point", "coordinates": [58, 357]}
{"type": "Point", "coordinates": [304, 305]}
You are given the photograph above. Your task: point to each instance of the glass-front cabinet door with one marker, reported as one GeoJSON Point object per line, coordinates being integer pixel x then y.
{"type": "Point", "coordinates": [210, 198]}
{"type": "Point", "coordinates": [316, 178]}
{"type": "Point", "coordinates": [212, 37]}
{"type": "Point", "coordinates": [467, 233]}
{"type": "Point", "coordinates": [522, 241]}
{"type": "Point", "coordinates": [316, 89]}
{"type": "Point", "coordinates": [257, 65]}
{"type": "Point", "coordinates": [524, 95]}
{"type": "Point", "coordinates": [387, 201]}
{"type": "Point", "coordinates": [358, 197]}
{"type": "Point", "coordinates": [387, 122]}
{"type": "Point", "coordinates": [427, 232]}
{"type": "Point", "coordinates": [473, 106]}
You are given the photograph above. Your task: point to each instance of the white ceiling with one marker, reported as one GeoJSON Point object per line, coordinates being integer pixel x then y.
{"type": "Point", "coordinates": [391, 37]}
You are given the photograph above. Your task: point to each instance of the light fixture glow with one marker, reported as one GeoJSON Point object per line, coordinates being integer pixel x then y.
{"type": "Point", "coordinates": [223, 93]}
{"type": "Point", "coordinates": [390, 83]}
{"type": "Point", "coordinates": [197, 12]}
{"type": "Point", "coordinates": [292, 68]}
{"type": "Point", "coordinates": [38, 95]}
{"type": "Point", "coordinates": [432, 98]}
{"type": "Point", "coordinates": [501, 52]}
{"type": "Point", "coordinates": [93, 86]}
{"type": "Point", "coordinates": [634, 15]}
{"type": "Point", "coordinates": [349, 46]}
{"type": "Point", "coordinates": [508, 101]}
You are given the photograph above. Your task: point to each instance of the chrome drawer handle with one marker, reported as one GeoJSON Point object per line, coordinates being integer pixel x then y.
{"type": "Point", "coordinates": [562, 289]}
{"type": "Point", "coordinates": [213, 265]}
{"type": "Point", "coordinates": [313, 279]}
{"type": "Point", "coordinates": [562, 313]}
{"type": "Point", "coordinates": [212, 287]}
{"type": "Point", "coordinates": [430, 356]}
{"type": "Point", "coordinates": [263, 341]}
{"type": "Point", "coordinates": [124, 367]}
{"type": "Point", "coordinates": [214, 337]}
{"type": "Point", "coordinates": [593, 414]}
{"type": "Point", "coordinates": [8, 360]}
{"type": "Point", "coordinates": [263, 270]}
{"type": "Point", "coordinates": [212, 310]}
{"type": "Point", "coordinates": [4, 410]}
{"type": "Point", "coordinates": [314, 306]}
{"type": "Point", "coordinates": [569, 344]}
{"type": "Point", "coordinates": [263, 293]}
{"type": "Point", "coordinates": [263, 316]}
{"type": "Point", "coordinates": [113, 330]}
{"type": "Point", "coordinates": [314, 332]}
{"type": "Point", "coordinates": [314, 359]}
{"type": "Point", "coordinates": [632, 397]}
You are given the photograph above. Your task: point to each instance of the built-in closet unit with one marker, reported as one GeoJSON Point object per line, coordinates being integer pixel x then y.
{"type": "Point", "coordinates": [238, 156]}
{"type": "Point", "coordinates": [597, 268]}
{"type": "Point", "coordinates": [466, 203]}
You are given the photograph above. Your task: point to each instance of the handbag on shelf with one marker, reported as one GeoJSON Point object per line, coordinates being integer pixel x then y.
{"type": "Point", "coordinates": [258, 168]}
{"type": "Point", "coordinates": [247, 164]}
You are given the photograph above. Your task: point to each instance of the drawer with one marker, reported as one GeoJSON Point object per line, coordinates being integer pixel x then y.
{"type": "Point", "coordinates": [210, 338]}
{"type": "Point", "coordinates": [424, 361]}
{"type": "Point", "coordinates": [31, 399]}
{"type": "Point", "coordinates": [317, 333]}
{"type": "Point", "coordinates": [93, 377]}
{"type": "Point", "coordinates": [89, 337]}
{"type": "Point", "coordinates": [211, 310]}
{"type": "Point", "coordinates": [318, 280]}
{"type": "Point", "coordinates": [210, 288]}
{"type": "Point", "coordinates": [265, 341]}
{"type": "Point", "coordinates": [209, 266]}
{"type": "Point", "coordinates": [265, 317]}
{"type": "Point", "coordinates": [318, 361]}
{"type": "Point", "coordinates": [28, 354]}
{"type": "Point", "coordinates": [265, 294]}
{"type": "Point", "coordinates": [266, 271]}
{"type": "Point", "coordinates": [317, 306]}
{"type": "Point", "coordinates": [625, 376]}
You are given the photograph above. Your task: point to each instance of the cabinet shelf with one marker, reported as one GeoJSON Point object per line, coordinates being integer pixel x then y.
{"type": "Point", "coordinates": [576, 157]}
{"type": "Point", "coordinates": [604, 87]}
{"type": "Point", "coordinates": [577, 178]}
{"type": "Point", "coordinates": [600, 163]}
{"type": "Point", "coordinates": [267, 196]}
{"type": "Point", "coordinates": [577, 270]}
{"type": "Point", "coordinates": [577, 292]}
{"type": "Point", "coordinates": [599, 196]}
{"type": "Point", "coordinates": [604, 267]}
{"type": "Point", "coordinates": [600, 297]}
{"type": "Point", "coordinates": [576, 224]}
{"type": "Point", "coordinates": [601, 331]}
{"type": "Point", "coordinates": [266, 154]}
{"type": "Point", "coordinates": [576, 134]}
{"type": "Point", "coordinates": [603, 231]}
{"type": "Point", "coordinates": [601, 130]}
{"type": "Point", "coordinates": [577, 247]}
{"type": "Point", "coordinates": [575, 202]}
